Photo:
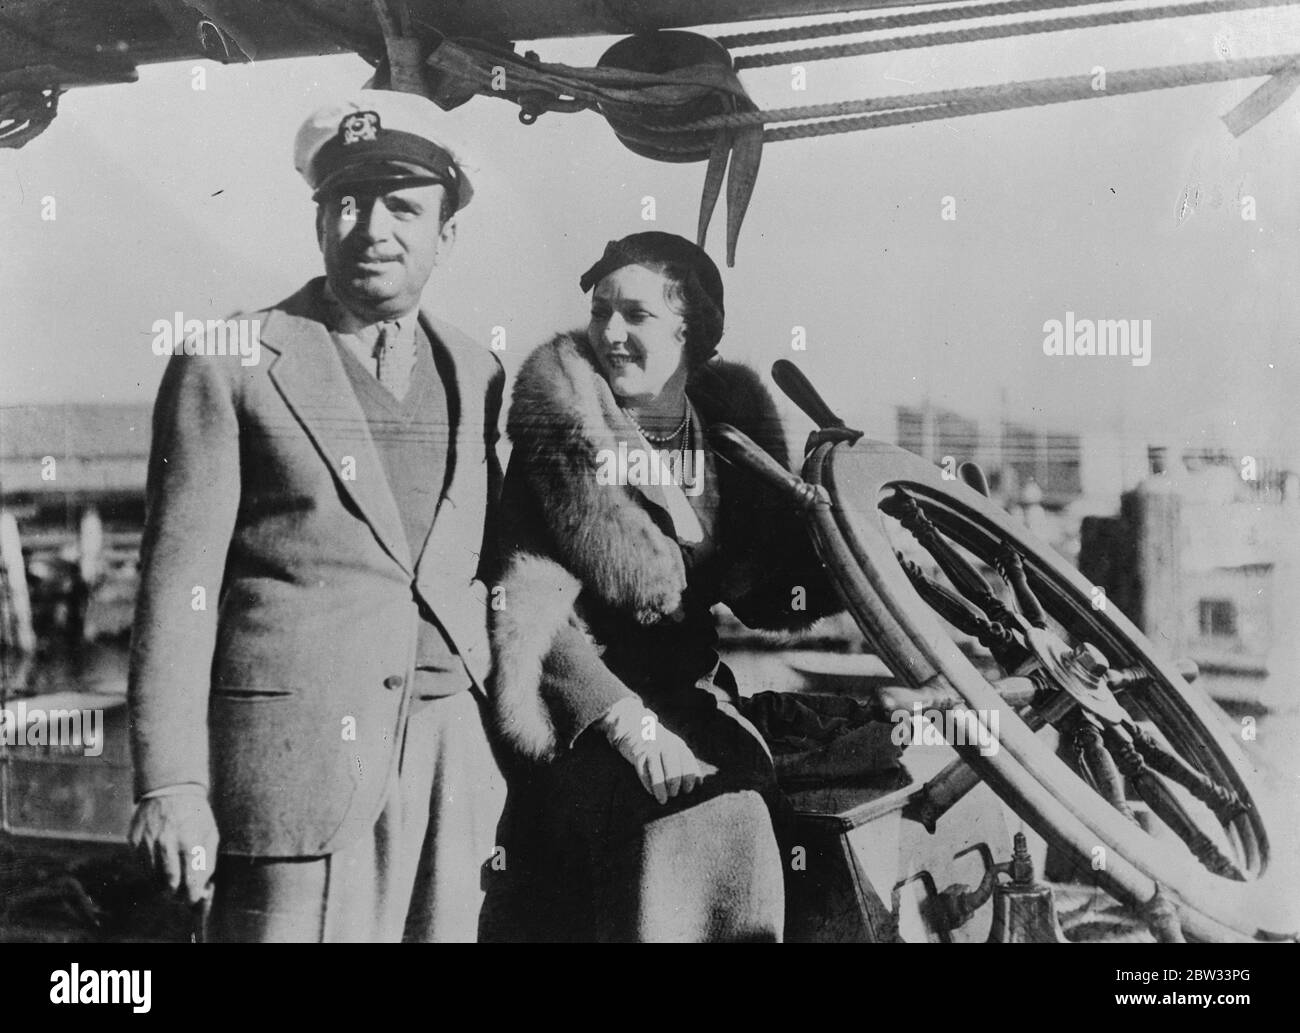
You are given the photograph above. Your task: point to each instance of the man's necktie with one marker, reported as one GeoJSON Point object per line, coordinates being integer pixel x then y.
{"type": "Point", "coordinates": [389, 368]}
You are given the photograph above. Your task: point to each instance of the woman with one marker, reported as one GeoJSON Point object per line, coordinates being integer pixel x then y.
{"type": "Point", "coordinates": [641, 799]}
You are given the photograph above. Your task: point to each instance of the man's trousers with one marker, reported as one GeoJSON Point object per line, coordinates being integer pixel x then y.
{"type": "Point", "coordinates": [417, 877]}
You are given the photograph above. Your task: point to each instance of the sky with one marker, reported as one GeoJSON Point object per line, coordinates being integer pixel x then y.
{"type": "Point", "coordinates": [169, 198]}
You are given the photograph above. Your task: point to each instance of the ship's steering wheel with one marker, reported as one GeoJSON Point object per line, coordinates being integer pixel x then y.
{"type": "Point", "coordinates": [1110, 725]}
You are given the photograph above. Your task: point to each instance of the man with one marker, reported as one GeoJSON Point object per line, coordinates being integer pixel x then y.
{"type": "Point", "coordinates": [309, 647]}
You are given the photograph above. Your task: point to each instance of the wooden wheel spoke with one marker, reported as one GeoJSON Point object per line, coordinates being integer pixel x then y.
{"type": "Point", "coordinates": [994, 636]}
{"type": "Point", "coordinates": [1097, 762]}
{"type": "Point", "coordinates": [1225, 804]}
{"type": "Point", "coordinates": [1166, 806]}
{"type": "Point", "coordinates": [903, 507]}
{"type": "Point", "coordinates": [1012, 569]}
{"type": "Point", "coordinates": [957, 779]}
{"type": "Point", "coordinates": [1141, 677]}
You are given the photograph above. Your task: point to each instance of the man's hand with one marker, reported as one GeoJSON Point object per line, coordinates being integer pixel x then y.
{"type": "Point", "coordinates": [663, 762]}
{"type": "Point", "coordinates": [176, 838]}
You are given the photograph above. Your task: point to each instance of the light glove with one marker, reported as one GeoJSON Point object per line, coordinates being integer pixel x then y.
{"type": "Point", "coordinates": [663, 762]}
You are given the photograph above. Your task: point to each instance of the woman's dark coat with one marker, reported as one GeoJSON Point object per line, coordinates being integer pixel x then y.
{"type": "Point", "coordinates": [597, 598]}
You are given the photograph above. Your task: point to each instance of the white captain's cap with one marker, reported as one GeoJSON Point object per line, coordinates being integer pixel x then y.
{"type": "Point", "coordinates": [377, 136]}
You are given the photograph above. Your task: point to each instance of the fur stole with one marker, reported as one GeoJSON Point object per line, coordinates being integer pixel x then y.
{"type": "Point", "coordinates": [565, 533]}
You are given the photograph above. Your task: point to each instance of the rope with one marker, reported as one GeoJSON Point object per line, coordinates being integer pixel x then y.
{"type": "Point", "coordinates": [1029, 93]}
{"type": "Point", "coordinates": [1045, 91]}
{"type": "Point", "coordinates": [983, 32]}
{"type": "Point", "coordinates": [641, 106]}
{"type": "Point", "coordinates": [877, 23]}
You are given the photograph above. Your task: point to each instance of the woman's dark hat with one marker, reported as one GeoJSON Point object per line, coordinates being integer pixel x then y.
{"type": "Point", "coordinates": [652, 248]}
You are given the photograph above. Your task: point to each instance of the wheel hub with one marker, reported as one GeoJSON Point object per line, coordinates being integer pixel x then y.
{"type": "Point", "coordinates": [1080, 673]}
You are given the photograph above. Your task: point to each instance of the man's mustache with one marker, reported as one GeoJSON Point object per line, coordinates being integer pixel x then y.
{"type": "Point", "coordinates": [365, 255]}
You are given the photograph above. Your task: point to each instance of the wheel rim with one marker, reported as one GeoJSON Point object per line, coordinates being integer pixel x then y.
{"type": "Point", "coordinates": [1052, 797]}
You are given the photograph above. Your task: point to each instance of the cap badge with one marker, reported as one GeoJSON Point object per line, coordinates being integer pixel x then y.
{"type": "Point", "coordinates": [359, 126]}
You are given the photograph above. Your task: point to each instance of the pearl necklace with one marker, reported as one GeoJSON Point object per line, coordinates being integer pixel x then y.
{"type": "Point", "coordinates": [661, 439]}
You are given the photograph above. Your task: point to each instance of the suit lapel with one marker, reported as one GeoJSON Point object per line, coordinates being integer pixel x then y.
{"type": "Point", "coordinates": [310, 377]}
{"type": "Point", "coordinates": [452, 379]}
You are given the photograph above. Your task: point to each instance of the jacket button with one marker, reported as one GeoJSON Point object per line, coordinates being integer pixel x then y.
{"type": "Point", "coordinates": [394, 681]}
